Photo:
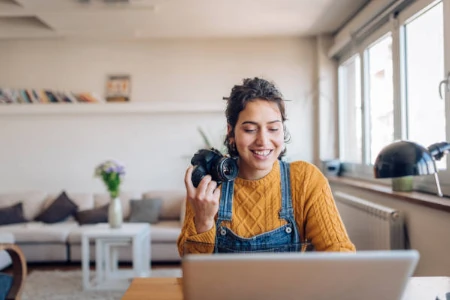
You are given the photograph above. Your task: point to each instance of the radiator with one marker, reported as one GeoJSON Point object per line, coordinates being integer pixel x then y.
{"type": "Point", "coordinates": [371, 226]}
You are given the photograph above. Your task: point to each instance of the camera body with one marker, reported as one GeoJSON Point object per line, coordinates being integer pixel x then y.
{"type": "Point", "coordinates": [212, 162]}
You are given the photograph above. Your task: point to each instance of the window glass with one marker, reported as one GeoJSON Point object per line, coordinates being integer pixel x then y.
{"type": "Point", "coordinates": [424, 40]}
{"type": "Point", "coordinates": [350, 111]}
{"type": "Point", "coordinates": [380, 93]}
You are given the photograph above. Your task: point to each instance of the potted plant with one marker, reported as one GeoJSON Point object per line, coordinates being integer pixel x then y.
{"type": "Point", "coordinates": [111, 172]}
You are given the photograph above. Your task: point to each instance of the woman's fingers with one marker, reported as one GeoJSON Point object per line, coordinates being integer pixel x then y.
{"type": "Point", "coordinates": [205, 187]}
{"type": "Point", "coordinates": [210, 188]}
{"type": "Point", "coordinates": [190, 189]}
{"type": "Point", "coordinates": [201, 189]}
{"type": "Point", "coordinates": [216, 194]}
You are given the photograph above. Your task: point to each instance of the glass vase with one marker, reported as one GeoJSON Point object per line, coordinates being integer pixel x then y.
{"type": "Point", "coordinates": [115, 217]}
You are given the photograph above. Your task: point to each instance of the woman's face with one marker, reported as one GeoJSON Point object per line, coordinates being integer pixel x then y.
{"type": "Point", "coordinates": [259, 138]}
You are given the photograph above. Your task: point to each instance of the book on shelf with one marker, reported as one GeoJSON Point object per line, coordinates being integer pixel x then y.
{"type": "Point", "coordinates": [24, 96]}
{"type": "Point", "coordinates": [30, 96]}
{"type": "Point", "coordinates": [5, 96]}
{"type": "Point", "coordinates": [43, 96]}
{"type": "Point", "coordinates": [35, 96]}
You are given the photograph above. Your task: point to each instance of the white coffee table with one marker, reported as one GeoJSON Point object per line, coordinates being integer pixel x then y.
{"type": "Point", "coordinates": [107, 243]}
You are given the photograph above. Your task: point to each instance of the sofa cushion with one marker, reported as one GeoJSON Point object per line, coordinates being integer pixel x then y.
{"type": "Point", "coordinates": [165, 232]}
{"type": "Point", "coordinates": [84, 201]}
{"type": "Point", "coordinates": [38, 232]}
{"type": "Point", "coordinates": [171, 205]}
{"type": "Point", "coordinates": [145, 210]}
{"type": "Point", "coordinates": [33, 202]}
{"type": "Point", "coordinates": [12, 214]}
{"type": "Point", "coordinates": [59, 210]}
{"type": "Point", "coordinates": [93, 216]}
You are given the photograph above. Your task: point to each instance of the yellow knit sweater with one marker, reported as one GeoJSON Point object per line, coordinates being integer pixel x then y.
{"type": "Point", "coordinates": [256, 204]}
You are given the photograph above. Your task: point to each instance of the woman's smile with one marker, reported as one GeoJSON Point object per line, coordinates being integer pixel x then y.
{"type": "Point", "coordinates": [262, 154]}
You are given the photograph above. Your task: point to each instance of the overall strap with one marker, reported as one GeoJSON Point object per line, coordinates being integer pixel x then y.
{"type": "Point", "coordinates": [286, 198]}
{"type": "Point", "coordinates": [226, 202]}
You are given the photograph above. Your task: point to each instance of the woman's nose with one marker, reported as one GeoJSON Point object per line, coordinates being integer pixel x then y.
{"type": "Point", "coordinates": [261, 138]}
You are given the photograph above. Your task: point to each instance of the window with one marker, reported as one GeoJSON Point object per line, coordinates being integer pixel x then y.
{"type": "Point", "coordinates": [388, 89]}
{"type": "Point", "coordinates": [380, 84]}
{"type": "Point", "coordinates": [350, 107]}
{"type": "Point", "coordinates": [424, 70]}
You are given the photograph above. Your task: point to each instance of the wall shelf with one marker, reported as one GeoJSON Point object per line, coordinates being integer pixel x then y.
{"type": "Point", "coordinates": [111, 108]}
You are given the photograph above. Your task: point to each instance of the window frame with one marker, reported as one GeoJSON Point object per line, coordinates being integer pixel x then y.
{"type": "Point", "coordinates": [395, 27]}
{"type": "Point", "coordinates": [428, 183]}
{"type": "Point", "coordinates": [364, 170]}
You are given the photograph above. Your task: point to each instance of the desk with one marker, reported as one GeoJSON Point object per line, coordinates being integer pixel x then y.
{"type": "Point", "coordinates": [419, 288]}
{"type": "Point", "coordinates": [168, 288]}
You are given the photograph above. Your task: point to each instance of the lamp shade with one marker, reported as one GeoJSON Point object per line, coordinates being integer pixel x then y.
{"type": "Point", "coordinates": [403, 158]}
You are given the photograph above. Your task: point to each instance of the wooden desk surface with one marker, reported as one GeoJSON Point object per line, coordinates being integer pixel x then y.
{"type": "Point", "coordinates": [156, 288]}
{"type": "Point", "coordinates": [170, 288]}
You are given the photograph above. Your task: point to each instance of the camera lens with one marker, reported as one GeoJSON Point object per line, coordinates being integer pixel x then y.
{"type": "Point", "coordinates": [227, 169]}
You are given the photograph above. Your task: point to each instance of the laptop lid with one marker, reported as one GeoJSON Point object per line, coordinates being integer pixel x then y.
{"type": "Point", "coordinates": [368, 275]}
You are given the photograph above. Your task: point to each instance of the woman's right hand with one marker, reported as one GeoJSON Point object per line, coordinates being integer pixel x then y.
{"type": "Point", "coordinates": [204, 200]}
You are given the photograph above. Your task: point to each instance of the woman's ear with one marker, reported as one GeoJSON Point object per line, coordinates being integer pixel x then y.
{"type": "Point", "coordinates": [230, 134]}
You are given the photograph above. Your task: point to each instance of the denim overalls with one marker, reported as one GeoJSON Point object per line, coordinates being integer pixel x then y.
{"type": "Point", "coordinates": [283, 239]}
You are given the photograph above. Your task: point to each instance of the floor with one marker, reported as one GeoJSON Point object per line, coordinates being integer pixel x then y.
{"type": "Point", "coordinates": [77, 266]}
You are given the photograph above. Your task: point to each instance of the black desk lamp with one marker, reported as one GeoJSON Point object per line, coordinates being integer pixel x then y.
{"type": "Point", "coordinates": [405, 158]}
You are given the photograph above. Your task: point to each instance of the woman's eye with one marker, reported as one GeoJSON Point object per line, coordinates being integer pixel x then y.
{"type": "Point", "coordinates": [249, 130]}
{"type": "Point", "coordinates": [273, 129]}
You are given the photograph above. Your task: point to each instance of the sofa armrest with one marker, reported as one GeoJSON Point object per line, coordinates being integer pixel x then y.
{"type": "Point", "coordinates": [7, 238]}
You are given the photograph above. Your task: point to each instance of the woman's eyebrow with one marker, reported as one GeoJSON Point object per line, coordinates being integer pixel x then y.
{"type": "Point", "coordinates": [255, 123]}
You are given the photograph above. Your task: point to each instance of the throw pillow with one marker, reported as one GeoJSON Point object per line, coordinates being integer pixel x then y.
{"type": "Point", "coordinates": [145, 210]}
{"type": "Point", "coordinates": [12, 214]}
{"type": "Point", "coordinates": [62, 208]}
{"type": "Point", "coordinates": [93, 216]}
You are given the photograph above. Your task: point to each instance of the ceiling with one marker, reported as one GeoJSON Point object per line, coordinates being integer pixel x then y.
{"type": "Point", "coordinates": [144, 19]}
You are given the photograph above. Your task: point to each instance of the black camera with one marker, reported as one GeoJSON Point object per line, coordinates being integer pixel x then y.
{"type": "Point", "coordinates": [212, 162]}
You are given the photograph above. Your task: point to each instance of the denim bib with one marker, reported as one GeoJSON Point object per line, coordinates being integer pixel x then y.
{"type": "Point", "coordinates": [283, 239]}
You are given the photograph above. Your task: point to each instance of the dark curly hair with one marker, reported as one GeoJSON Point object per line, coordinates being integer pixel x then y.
{"type": "Point", "coordinates": [251, 90]}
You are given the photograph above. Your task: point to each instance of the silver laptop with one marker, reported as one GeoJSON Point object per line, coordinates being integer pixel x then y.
{"type": "Point", "coordinates": [367, 275]}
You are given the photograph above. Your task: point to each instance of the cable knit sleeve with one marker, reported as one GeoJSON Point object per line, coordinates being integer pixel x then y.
{"type": "Point", "coordinates": [189, 241]}
{"type": "Point", "coordinates": [322, 223]}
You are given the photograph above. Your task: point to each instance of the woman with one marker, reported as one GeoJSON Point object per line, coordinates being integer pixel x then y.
{"type": "Point", "coordinates": [271, 205]}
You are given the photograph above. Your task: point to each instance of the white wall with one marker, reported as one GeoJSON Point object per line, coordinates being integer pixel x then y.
{"type": "Point", "coordinates": [59, 151]}
{"type": "Point", "coordinates": [428, 230]}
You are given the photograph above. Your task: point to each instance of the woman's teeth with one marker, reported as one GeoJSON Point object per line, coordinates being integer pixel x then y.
{"type": "Point", "coordinates": [262, 153]}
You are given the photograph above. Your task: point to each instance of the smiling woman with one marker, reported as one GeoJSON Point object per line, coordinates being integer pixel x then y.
{"type": "Point", "coordinates": [271, 205]}
{"type": "Point", "coordinates": [258, 138]}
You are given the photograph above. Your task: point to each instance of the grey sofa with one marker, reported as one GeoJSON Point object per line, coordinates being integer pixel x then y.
{"type": "Point", "coordinates": [61, 242]}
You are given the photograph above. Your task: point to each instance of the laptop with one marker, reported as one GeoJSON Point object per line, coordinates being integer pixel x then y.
{"type": "Point", "coordinates": [367, 275]}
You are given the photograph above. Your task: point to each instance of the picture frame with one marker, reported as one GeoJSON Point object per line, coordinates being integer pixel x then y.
{"type": "Point", "coordinates": [118, 88]}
